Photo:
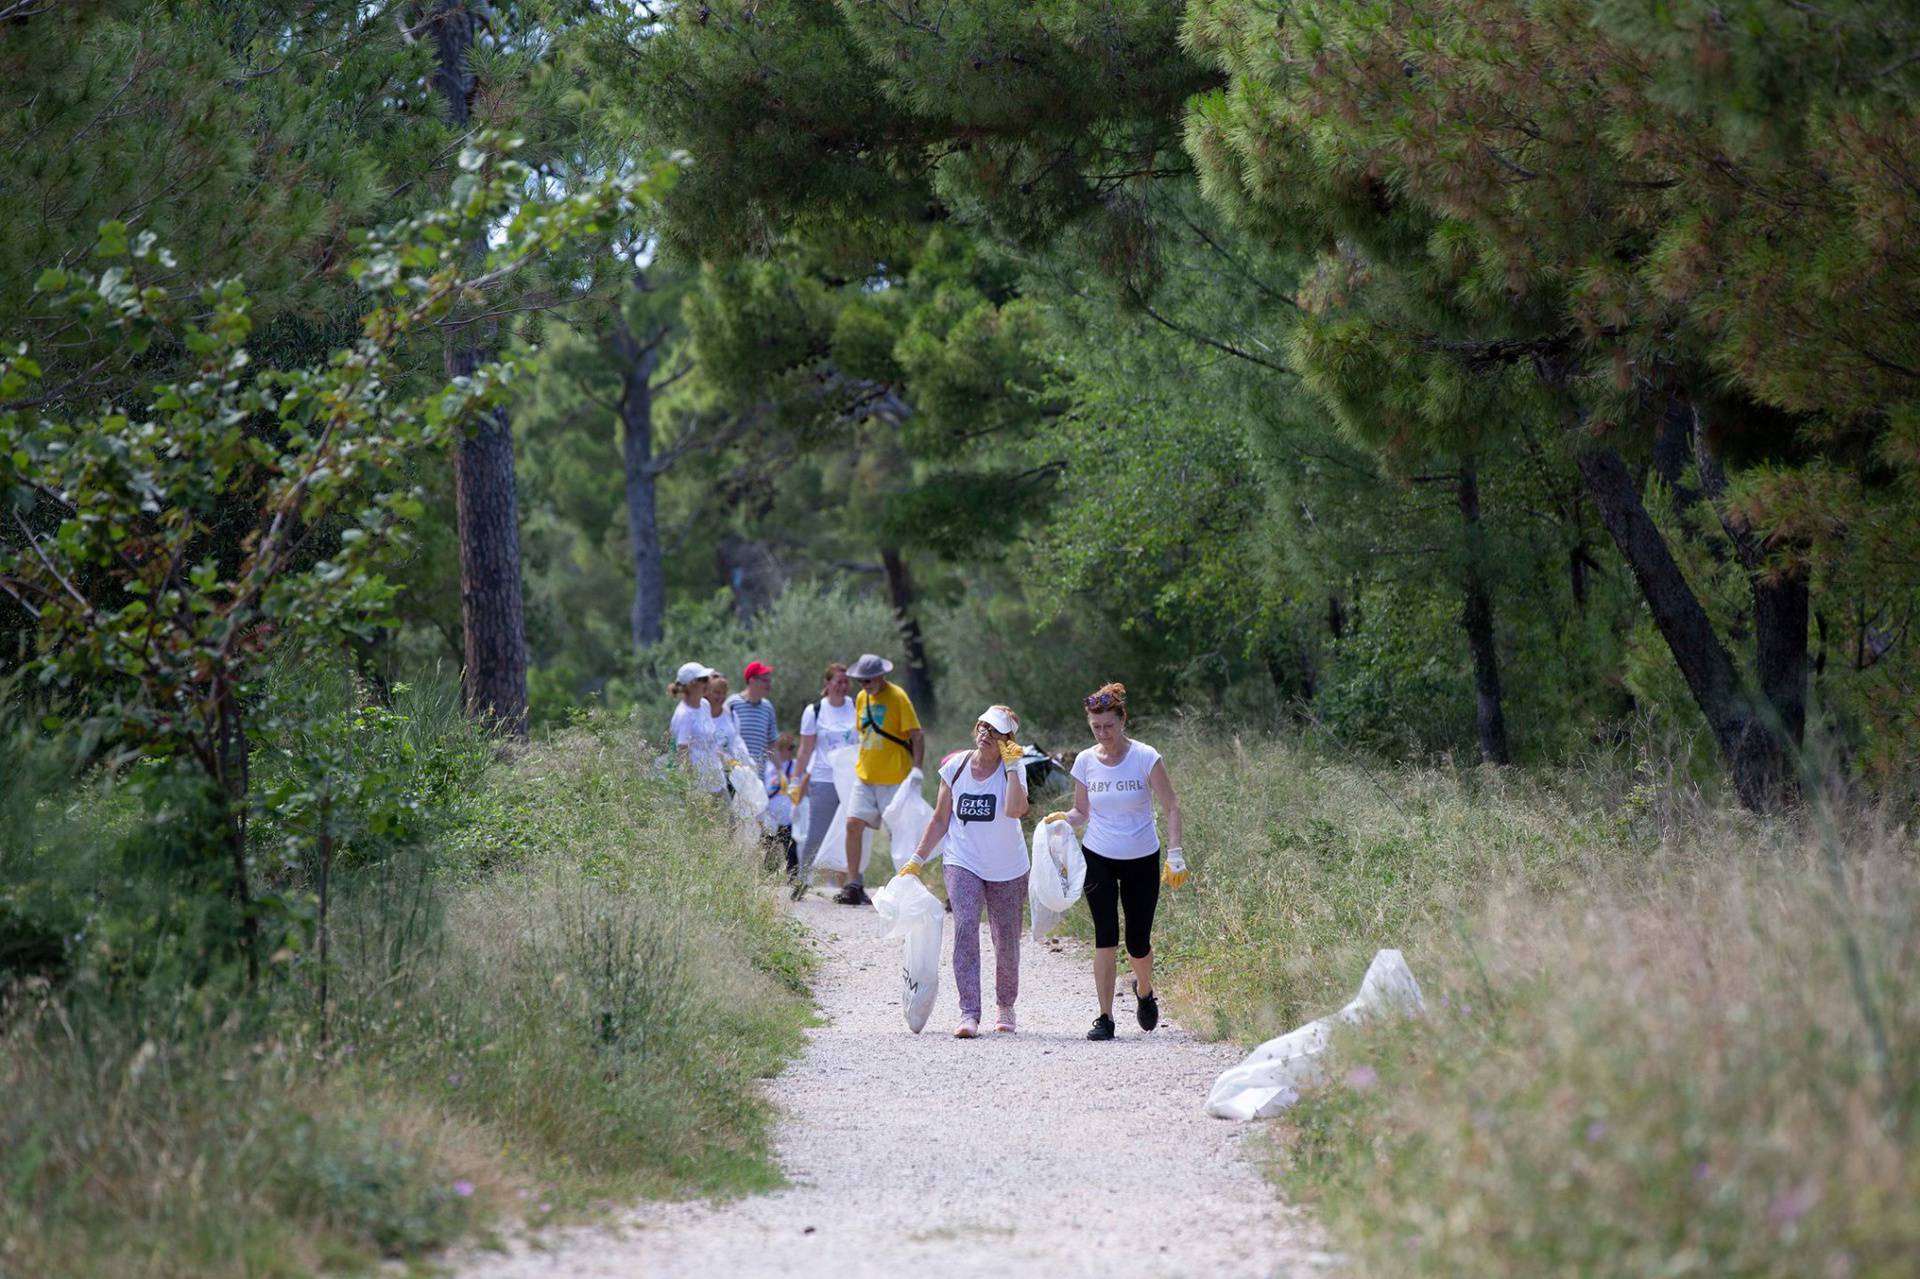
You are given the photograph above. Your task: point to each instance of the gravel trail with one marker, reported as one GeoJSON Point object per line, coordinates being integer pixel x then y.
{"type": "Point", "coordinates": [1037, 1154]}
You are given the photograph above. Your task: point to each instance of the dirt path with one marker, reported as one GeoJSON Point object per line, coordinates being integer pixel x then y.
{"type": "Point", "coordinates": [1039, 1154]}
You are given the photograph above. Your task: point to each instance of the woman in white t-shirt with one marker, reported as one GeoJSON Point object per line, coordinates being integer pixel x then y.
{"type": "Point", "coordinates": [727, 741]}
{"type": "Point", "coordinates": [1114, 788]}
{"type": "Point", "coordinates": [692, 727]}
{"type": "Point", "coordinates": [825, 726]}
{"type": "Point", "coordinates": [983, 796]}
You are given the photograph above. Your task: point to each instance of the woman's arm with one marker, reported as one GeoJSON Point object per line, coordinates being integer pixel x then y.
{"type": "Point", "coordinates": [806, 758]}
{"type": "Point", "coordinates": [936, 829]}
{"type": "Point", "coordinates": [1018, 803]}
{"type": "Point", "coordinates": [1077, 815]}
{"type": "Point", "coordinates": [1162, 785]}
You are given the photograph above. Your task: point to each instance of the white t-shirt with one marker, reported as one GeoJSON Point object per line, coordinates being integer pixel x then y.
{"type": "Point", "coordinates": [1119, 802]}
{"type": "Point", "coordinates": [834, 726]}
{"type": "Point", "coordinates": [693, 728]}
{"type": "Point", "coordinates": [727, 742]}
{"type": "Point", "coordinates": [980, 836]}
{"type": "Point", "coordinates": [779, 808]}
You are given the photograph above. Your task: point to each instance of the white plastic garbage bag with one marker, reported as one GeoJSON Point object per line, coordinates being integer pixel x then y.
{"type": "Point", "coordinates": [906, 820]}
{"type": "Point", "coordinates": [832, 856]}
{"type": "Point", "coordinates": [1272, 1075]}
{"type": "Point", "coordinates": [916, 915]}
{"type": "Point", "coordinates": [749, 794]}
{"type": "Point", "coordinates": [1058, 876]}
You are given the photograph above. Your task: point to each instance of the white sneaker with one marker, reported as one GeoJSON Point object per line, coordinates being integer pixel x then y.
{"type": "Point", "coordinates": [1003, 1024]}
{"type": "Point", "coordinates": [967, 1029]}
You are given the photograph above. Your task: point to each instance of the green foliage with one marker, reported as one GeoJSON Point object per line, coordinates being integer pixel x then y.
{"type": "Point", "coordinates": [139, 622]}
{"type": "Point", "coordinates": [563, 977]}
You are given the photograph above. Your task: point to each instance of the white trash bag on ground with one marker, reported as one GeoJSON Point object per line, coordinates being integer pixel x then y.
{"type": "Point", "coordinates": [906, 820]}
{"type": "Point", "coordinates": [916, 915]}
{"type": "Point", "coordinates": [1058, 876]}
{"type": "Point", "coordinates": [1272, 1075]}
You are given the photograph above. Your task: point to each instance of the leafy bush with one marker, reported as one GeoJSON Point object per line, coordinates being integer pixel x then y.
{"type": "Point", "coordinates": [562, 957]}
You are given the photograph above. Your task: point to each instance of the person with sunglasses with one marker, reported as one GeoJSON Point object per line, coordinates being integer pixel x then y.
{"type": "Point", "coordinates": [983, 796]}
{"type": "Point", "coordinates": [1115, 786]}
{"type": "Point", "coordinates": [892, 746]}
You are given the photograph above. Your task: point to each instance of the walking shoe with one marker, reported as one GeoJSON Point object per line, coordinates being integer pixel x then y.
{"type": "Point", "coordinates": [1147, 1010]}
{"type": "Point", "coordinates": [967, 1029]}
{"type": "Point", "coordinates": [1003, 1023]}
{"type": "Point", "coordinates": [854, 894]}
{"type": "Point", "coordinates": [1102, 1028]}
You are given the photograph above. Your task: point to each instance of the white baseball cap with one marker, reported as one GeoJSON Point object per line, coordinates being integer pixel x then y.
{"type": "Point", "coordinates": [1000, 719]}
{"type": "Point", "coordinates": [693, 671]}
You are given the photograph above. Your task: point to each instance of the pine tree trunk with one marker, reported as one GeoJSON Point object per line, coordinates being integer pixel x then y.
{"type": "Point", "coordinates": [1477, 618]}
{"type": "Point", "coordinates": [1750, 750]}
{"type": "Point", "coordinates": [492, 613]}
{"type": "Point", "coordinates": [1780, 626]}
{"type": "Point", "coordinates": [900, 594]}
{"type": "Point", "coordinates": [640, 356]}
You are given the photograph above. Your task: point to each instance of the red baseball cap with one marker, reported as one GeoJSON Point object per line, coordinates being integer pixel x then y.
{"type": "Point", "coordinates": [755, 669]}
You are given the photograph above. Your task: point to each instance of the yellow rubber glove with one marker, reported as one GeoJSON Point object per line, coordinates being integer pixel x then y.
{"type": "Point", "coordinates": [911, 868]}
{"type": "Point", "coordinates": [1175, 872]}
{"type": "Point", "coordinates": [1053, 817]}
{"type": "Point", "coordinates": [1011, 751]}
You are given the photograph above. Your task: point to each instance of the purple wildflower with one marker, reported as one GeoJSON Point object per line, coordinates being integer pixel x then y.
{"type": "Point", "coordinates": [463, 1188]}
{"type": "Point", "coordinates": [1596, 1130]}
{"type": "Point", "coordinates": [1361, 1078]}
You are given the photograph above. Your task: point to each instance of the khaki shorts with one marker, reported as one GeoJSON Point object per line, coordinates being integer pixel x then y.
{"type": "Point", "coordinates": [870, 799]}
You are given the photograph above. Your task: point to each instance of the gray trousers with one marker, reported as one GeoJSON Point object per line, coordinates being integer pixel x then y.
{"type": "Point", "coordinates": [822, 799]}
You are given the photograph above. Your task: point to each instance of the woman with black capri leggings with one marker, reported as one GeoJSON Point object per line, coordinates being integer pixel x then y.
{"type": "Point", "coordinates": [1114, 788]}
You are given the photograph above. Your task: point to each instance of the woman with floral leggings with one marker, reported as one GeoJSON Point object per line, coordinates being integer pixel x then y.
{"type": "Point", "coordinates": [983, 796]}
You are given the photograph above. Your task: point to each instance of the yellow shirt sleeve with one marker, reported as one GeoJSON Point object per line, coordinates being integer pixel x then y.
{"type": "Point", "coordinates": [909, 716]}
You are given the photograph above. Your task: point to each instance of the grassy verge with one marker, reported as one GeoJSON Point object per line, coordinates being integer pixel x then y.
{"type": "Point", "coordinates": [564, 995]}
{"type": "Point", "coordinates": [1648, 1050]}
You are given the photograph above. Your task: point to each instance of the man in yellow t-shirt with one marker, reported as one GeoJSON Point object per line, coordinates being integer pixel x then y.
{"type": "Point", "coordinates": [892, 746]}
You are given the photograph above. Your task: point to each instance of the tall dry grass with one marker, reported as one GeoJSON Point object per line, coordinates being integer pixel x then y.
{"type": "Point", "coordinates": [1654, 1040]}
{"type": "Point", "coordinates": [570, 997]}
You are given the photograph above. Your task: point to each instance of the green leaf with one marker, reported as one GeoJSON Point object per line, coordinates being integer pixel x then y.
{"type": "Point", "coordinates": [113, 240]}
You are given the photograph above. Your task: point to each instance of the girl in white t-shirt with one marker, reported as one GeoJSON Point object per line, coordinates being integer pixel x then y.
{"type": "Point", "coordinates": [692, 727]}
{"type": "Point", "coordinates": [983, 796]}
{"type": "Point", "coordinates": [781, 777]}
{"type": "Point", "coordinates": [825, 726]}
{"type": "Point", "coordinates": [1114, 788]}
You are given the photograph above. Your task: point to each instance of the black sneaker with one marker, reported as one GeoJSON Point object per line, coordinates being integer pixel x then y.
{"type": "Point", "coordinates": [1102, 1028]}
{"type": "Point", "coordinates": [854, 894]}
{"type": "Point", "coordinates": [1148, 1011]}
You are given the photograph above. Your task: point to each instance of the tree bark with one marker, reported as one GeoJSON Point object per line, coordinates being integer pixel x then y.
{"type": "Point", "coordinates": [640, 357]}
{"type": "Point", "coordinates": [1749, 748]}
{"type": "Point", "coordinates": [1476, 616]}
{"type": "Point", "coordinates": [494, 680]}
{"type": "Point", "coordinates": [1780, 608]}
{"type": "Point", "coordinates": [900, 594]}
